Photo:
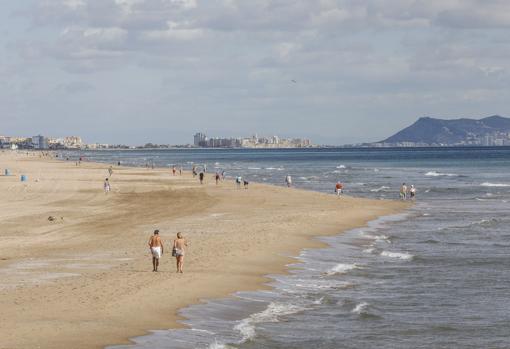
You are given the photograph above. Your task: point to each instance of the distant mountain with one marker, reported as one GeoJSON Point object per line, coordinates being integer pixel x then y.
{"type": "Point", "coordinates": [455, 132]}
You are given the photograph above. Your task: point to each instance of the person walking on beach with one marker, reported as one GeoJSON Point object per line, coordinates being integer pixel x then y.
{"type": "Point", "coordinates": [201, 176]}
{"type": "Point", "coordinates": [156, 248]}
{"type": "Point", "coordinates": [106, 186]}
{"type": "Point", "coordinates": [245, 182]}
{"type": "Point", "coordinates": [110, 171]}
{"type": "Point", "coordinates": [339, 188]}
{"type": "Point", "coordinates": [180, 170]}
{"type": "Point", "coordinates": [178, 251]}
{"type": "Point", "coordinates": [403, 191]}
{"type": "Point", "coordinates": [239, 179]}
{"type": "Point", "coordinates": [173, 170]}
{"type": "Point", "coordinates": [288, 181]}
{"type": "Point", "coordinates": [217, 177]}
{"type": "Point", "coordinates": [194, 171]}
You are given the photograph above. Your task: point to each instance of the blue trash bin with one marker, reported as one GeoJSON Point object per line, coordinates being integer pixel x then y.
{"type": "Point", "coordinates": [23, 178]}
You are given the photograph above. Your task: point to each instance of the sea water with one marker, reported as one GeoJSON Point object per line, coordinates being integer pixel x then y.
{"type": "Point", "coordinates": [435, 276]}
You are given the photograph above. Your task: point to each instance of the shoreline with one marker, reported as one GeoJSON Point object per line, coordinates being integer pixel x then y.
{"type": "Point", "coordinates": [248, 234]}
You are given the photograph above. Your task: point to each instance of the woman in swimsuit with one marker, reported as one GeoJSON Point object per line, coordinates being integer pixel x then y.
{"type": "Point", "coordinates": [179, 248]}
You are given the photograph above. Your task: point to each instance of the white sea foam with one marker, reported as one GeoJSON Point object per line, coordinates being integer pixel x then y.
{"type": "Point", "coordinates": [369, 250]}
{"type": "Point", "coordinates": [253, 168]}
{"type": "Point", "coordinates": [379, 189]}
{"type": "Point", "coordinates": [341, 268]}
{"type": "Point", "coordinates": [399, 255]}
{"type": "Point", "coordinates": [381, 237]}
{"type": "Point", "coordinates": [271, 314]}
{"type": "Point", "coordinates": [437, 174]}
{"type": "Point", "coordinates": [488, 184]}
{"type": "Point", "coordinates": [341, 166]}
{"type": "Point", "coordinates": [360, 308]}
{"type": "Point", "coordinates": [217, 345]}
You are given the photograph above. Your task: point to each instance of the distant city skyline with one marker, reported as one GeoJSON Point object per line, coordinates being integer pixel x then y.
{"type": "Point", "coordinates": [337, 72]}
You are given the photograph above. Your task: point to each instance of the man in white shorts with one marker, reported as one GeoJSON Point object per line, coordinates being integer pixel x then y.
{"type": "Point", "coordinates": [156, 248]}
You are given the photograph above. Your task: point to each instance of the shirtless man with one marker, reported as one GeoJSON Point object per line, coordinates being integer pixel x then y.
{"type": "Point", "coordinates": [156, 248]}
{"type": "Point", "coordinates": [179, 248]}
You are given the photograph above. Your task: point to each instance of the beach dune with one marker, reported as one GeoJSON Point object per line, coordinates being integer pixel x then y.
{"type": "Point", "coordinates": [83, 279]}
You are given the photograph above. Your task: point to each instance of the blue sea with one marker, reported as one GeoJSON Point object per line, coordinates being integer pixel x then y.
{"type": "Point", "coordinates": [435, 276]}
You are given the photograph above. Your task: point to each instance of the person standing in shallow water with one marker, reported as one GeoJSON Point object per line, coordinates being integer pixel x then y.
{"type": "Point", "coordinates": [412, 192]}
{"type": "Point", "coordinates": [156, 248]}
{"type": "Point", "coordinates": [288, 181]}
{"type": "Point", "coordinates": [403, 191]}
{"type": "Point", "coordinates": [180, 245]}
{"type": "Point", "coordinates": [201, 176]}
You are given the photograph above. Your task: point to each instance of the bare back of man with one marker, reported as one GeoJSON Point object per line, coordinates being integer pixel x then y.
{"type": "Point", "coordinates": [156, 248]}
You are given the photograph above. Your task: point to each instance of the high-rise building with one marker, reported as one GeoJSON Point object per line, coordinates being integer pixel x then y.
{"type": "Point", "coordinates": [199, 139]}
{"type": "Point", "coordinates": [39, 142]}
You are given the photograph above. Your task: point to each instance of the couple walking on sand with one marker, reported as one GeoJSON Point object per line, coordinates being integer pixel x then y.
{"type": "Point", "coordinates": [178, 250]}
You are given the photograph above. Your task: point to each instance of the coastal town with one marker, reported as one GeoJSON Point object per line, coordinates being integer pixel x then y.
{"type": "Point", "coordinates": [200, 140]}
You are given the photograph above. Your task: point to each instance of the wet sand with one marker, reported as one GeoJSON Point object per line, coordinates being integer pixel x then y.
{"type": "Point", "coordinates": [84, 280]}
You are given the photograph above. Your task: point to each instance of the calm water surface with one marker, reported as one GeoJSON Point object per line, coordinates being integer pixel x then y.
{"type": "Point", "coordinates": [437, 276]}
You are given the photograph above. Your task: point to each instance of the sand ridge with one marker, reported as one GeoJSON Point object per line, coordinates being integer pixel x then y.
{"type": "Point", "coordinates": [85, 280]}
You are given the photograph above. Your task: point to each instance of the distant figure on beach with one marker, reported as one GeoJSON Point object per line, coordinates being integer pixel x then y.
{"type": "Point", "coordinates": [110, 171]}
{"type": "Point", "coordinates": [178, 252]}
{"type": "Point", "coordinates": [288, 181]}
{"type": "Point", "coordinates": [403, 191]}
{"type": "Point", "coordinates": [412, 192]}
{"type": "Point", "coordinates": [239, 179]}
{"type": "Point", "coordinates": [245, 182]}
{"type": "Point", "coordinates": [223, 175]}
{"type": "Point", "coordinates": [180, 170]}
{"type": "Point", "coordinates": [118, 163]}
{"type": "Point", "coordinates": [217, 177]}
{"type": "Point", "coordinates": [106, 186]}
{"type": "Point", "coordinates": [339, 188]}
{"type": "Point", "coordinates": [194, 171]}
{"type": "Point", "coordinates": [156, 248]}
{"type": "Point", "coordinates": [173, 170]}
{"type": "Point", "coordinates": [201, 177]}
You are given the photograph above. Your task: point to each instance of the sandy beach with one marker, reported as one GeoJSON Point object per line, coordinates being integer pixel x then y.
{"type": "Point", "coordinates": [84, 280]}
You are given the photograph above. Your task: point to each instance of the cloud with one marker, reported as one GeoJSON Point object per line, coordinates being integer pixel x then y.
{"type": "Point", "coordinates": [75, 87]}
{"type": "Point", "coordinates": [230, 60]}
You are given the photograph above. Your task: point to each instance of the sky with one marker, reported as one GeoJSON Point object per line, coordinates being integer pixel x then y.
{"type": "Point", "coordinates": [334, 71]}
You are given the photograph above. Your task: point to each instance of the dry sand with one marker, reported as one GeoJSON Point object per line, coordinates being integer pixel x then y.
{"type": "Point", "coordinates": [85, 280]}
